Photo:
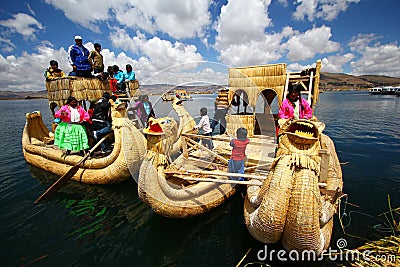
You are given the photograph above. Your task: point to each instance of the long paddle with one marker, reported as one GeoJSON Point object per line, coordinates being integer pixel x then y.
{"type": "Point", "coordinates": [68, 175]}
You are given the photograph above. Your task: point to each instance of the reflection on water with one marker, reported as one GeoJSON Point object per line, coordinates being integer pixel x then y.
{"type": "Point", "coordinates": [86, 225]}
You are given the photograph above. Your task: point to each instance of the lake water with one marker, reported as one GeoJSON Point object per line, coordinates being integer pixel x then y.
{"type": "Point", "coordinates": [86, 225]}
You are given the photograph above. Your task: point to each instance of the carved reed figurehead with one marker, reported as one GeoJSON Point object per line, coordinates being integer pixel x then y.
{"type": "Point", "coordinates": [160, 135]}
{"type": "Point", "coordinates": [118, 109]}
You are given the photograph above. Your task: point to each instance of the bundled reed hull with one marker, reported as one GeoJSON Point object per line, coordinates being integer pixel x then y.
{"type": "Point", "coordinates": [289, 207]}
{"type": "Point", "coordinates": [128, 152]}
{"type": "Point", "coordinates": [177, 200]}
{"type": "Point", "coordinates": [172, 196]}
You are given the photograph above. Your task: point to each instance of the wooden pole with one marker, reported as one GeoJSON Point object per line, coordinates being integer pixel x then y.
{"type": "Point", "coordinates": [208, 150]}
{"type": "Point", "coordinates": [257, 166]}
{"type": "Point", "coordinates": [227, 139]}
{"type": "Point", "coordinates": [228, 174]}
{"type": "Point", "coordinates": [184, 147]}
{"type": "Point", "coordinates": [221, 181]}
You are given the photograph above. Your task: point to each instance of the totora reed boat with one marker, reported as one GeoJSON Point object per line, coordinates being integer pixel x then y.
{"type": "Point", "coordinates": [129, 143]}
{"type": "Point", "coordinates": [294, 184]}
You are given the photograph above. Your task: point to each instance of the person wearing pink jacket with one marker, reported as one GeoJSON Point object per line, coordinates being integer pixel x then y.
{"type": "Point", "coordinates": [70, 134]}
{"type": "Point", "coordinates": [294, 106]}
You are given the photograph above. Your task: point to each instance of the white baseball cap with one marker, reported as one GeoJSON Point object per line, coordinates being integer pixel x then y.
{"type": "Point", "coordinates": [78, 37]}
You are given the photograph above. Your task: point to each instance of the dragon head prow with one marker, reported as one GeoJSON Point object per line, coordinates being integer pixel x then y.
{"type": "Point", "coordinates": [306, 130]}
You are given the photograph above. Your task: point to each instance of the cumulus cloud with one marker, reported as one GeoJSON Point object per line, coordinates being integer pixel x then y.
{"type": "Point", "coordinates": [323, 9]}
{"type": "Point", "coordinates": [242, 21]}
{"type": "Point", "coordinates": [179, 19]}
{"type": "Point", "coordinates": [303, 46]}
{"type": "Point", "coordinates": [240, 41]}
{"type": "Point", "coordinates": [361, 41]}
{"type": "Point", "coordinates": [161, 53]}
{"type": "Point", "coordinates": [335, 63]}
{"type": "Point", "coordinates": [379, 59]}
{"type": "Point", "coordinates": [23, 24]}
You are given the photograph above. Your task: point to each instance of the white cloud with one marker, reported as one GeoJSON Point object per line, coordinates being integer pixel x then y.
{"type": "Point", "coordinates": [361, 41]}
{"type": "Point", "coordinates": [252, 53]}
{"type": "Point", "coordinates": [380, 59]}
{"type": "Point", "coordinates": [303, 46]}
{"type": "Point", "coordinates": [242, 21]}
{"type": "Point", "coordinates": [305, 8]}
{"type": "Point", "coordinates": [6, 45]}
{"type": "Point", "coordinates": [179, 19]}
{"type": "Point", "coordinates": [335, 63]}
{"type": "Point", "coordinates": [160, 53]}
{"type": "Point", "coordinates": [323, 9]}
{"type": "Point", "coordinates": [23, 24]}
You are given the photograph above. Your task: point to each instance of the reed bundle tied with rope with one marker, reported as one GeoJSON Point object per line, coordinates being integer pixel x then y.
{"type": "Point", "coordinates": [133, 88]}
{"type": "Point", "coordinates": [58, 90]}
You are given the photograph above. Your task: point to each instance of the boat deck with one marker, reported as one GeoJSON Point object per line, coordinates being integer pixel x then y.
{"type": "Point", "coordinates": [202, 163]}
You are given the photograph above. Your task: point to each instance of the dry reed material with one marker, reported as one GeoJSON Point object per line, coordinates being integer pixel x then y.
{"type": "Point", "coordinates": [133, 87]}
{"type": "Point", "coordinates": [253, 80]}
{"type": "Point", "coordinates": [126, 157]}
{"type": "Point", "coordinates": [172, 196]}
{"type": "Point", "coordinates": [288, 207]}
{"type": "Point", "coordinates": [58, 90]}
{"type": "Point", "coordinates": [234, 122]}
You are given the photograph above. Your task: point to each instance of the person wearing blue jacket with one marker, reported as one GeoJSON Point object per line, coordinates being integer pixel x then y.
{"type": "Point", "coordinates": [78, 58]}
{"type": "Point", "coordinates": [129, 73]}
{"type": "Point", "coordinates": [120, 78]}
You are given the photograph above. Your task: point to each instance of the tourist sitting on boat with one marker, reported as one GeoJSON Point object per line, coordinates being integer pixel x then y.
{"type": "Point", "coordinates": [79, 59]}
{"type": "Point", "coordinates": [119, 79]}
{"type": "Point", "coordinates": [204, 126]}
{"type": "Point", "coordinates": [109, 74]}
{"type": "Point", "coordinates": [53, 71]}
{"type": "Point", "coordinates": [70, 133]}
{"type": "Point", "coordinates": [236, 162]}
{"type": "Point", "coordinates": [144, 109]}
{"type": "Point", "coordinates": [96, 60]}
{"type": "Point", "coordinates": [129, 73]}
{"type": "Point", "coordinates": [101, 120]}
{"type": "Point", "coordinates": [294, 106]}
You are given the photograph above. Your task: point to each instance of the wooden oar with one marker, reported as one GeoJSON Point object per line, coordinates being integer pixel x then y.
{"type": "Point", "coordinates": [68, 175]}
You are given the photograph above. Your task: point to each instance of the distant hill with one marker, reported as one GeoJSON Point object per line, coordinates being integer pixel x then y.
{"type": "Point", "coordinates": [328, 82]}
{"type": "Point", "coordinates": [340, 81]}
{"type": "Point", "coordinates": [23, 94]}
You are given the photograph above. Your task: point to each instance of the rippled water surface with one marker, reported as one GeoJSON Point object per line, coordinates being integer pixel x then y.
{"type": "Point", "coordinates": [109, 226]}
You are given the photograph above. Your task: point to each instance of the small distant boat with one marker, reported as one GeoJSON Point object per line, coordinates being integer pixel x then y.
{"type": "Point", "coordinates": [375, 91]}
{"type": "Point", "coordinates": [389, 90]}
{"type": "Point", "coordinates": [180, 94]}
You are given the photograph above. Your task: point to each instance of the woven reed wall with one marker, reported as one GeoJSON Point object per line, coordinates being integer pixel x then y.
{"type": "Point", "coordinates": [59, 90]}
{"type": "Point", "coordinates": [255, 79]}
{"type": "Point", "coordinates": [233, 122]}
{"type": "Point", "coordinates": [133, 88]}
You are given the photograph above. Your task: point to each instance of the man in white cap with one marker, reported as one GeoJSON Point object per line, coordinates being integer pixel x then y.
{"type": "Point", "coordinates": [78, 58]}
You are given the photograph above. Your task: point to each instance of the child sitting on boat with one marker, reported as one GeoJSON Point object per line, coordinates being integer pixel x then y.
{"type": "Point", "coordinates": [236, 162]}
{"type": "Point", "coordinates": [205, 127]}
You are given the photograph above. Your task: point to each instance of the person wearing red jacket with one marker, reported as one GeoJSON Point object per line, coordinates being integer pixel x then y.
{"type": "Point", "coordinates": [236, 162]}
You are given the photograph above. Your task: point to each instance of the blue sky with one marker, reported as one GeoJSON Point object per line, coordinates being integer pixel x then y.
{"type": "Point", "coordinates": [167, 41]}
